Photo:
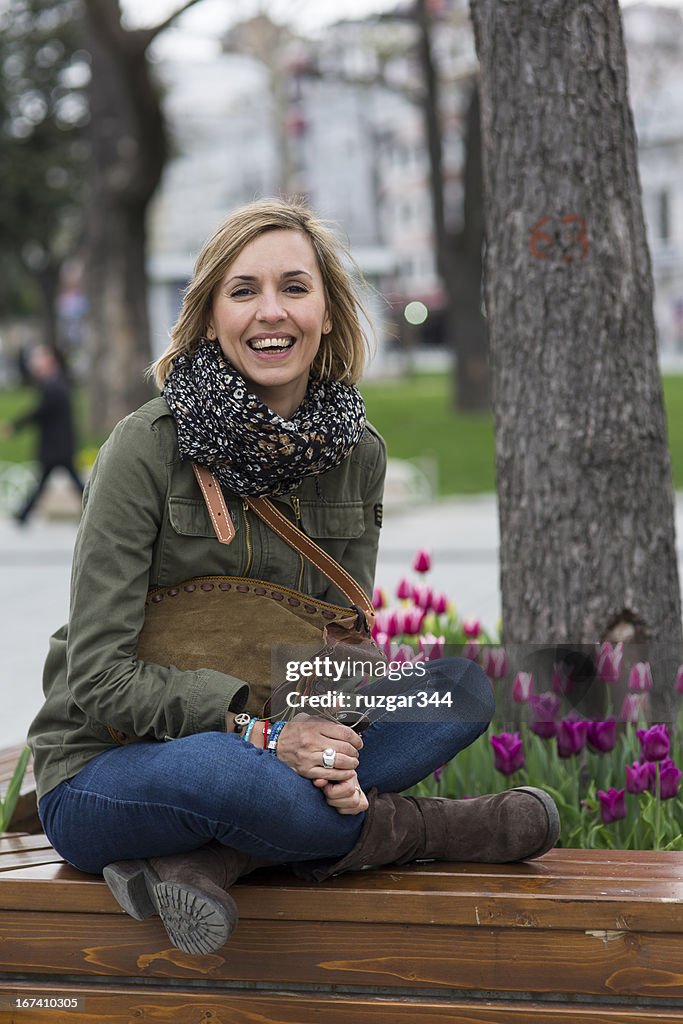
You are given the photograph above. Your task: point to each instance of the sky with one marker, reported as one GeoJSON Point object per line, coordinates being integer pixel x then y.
{"type": "Point", "coordinates": [196, 32]}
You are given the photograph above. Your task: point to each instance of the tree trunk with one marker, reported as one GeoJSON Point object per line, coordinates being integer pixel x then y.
{"type": "Point", "coordinates": [584, 477]}
{"type": "Point", "coordinates": [458, 258]}
{"type": "Point", "coordinates": [470, 330]}
{"type": "Point", "coordinates": [128, 152]}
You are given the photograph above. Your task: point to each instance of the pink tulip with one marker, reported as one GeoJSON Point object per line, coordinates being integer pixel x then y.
{"type": "Point", "coordinates": [632, 708]}
{"type": "Point", "coordinates": [439, 603]}
{"type": "Point", "coordinates": [522, 687]}
{"type": "Point", "coordinates": [471, 650]}
{"type": "Point", "coordinates": [495, 662]}
{"type": "Point", "coordinates": [402, 654]}
{"type": "Point", "coordinates": [609, 662]}
{"type": "Point", "coordinates": [471, 628]}
{"type": "Point", "coordinates": [679, 679]}
{"type": "Point", "coordinates": [640, 677]}
{"type": "Point", "coordinates": [561, 682]}
{"type": "Point", "coordinates": [411, 621]}
{"type": "Point", "coordinates": [404, 591]}
{"type": "Point", "coordinates": [378, 598]}
{"type": "Point", "coordinates": [422, 561]}
{"type": "Point", "coordinates": [432, 646]}
{"type": "Point", "coordinates": [422, 596]}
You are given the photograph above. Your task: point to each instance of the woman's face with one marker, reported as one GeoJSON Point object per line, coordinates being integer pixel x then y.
{"type": "Point", "coordinates": [268, 314]}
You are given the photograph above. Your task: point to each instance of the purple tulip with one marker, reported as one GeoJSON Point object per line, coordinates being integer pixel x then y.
{"type": "Point", "coordinates": [545, 707]}
{"type": "Point", "coordinates": [609, 662]}
{"type": "Point", "coordinates": [571, 737]}
{"type": "Point", "coordinates": [640, 677]}
{"type": "Point", "coordinates": [422, 561]}
{"type": "Point", "coordinates": [679, 679]}
{"type": "Point", "coordinates": [411, 621]}
{"type": "Point", "coordinates": [404, 591]}
{"type": "Point", "coordinates": [438, 772]}
{"type": "Point", "coordinates": [632, 708]}
{"type": "Point", "coordinates": [472, 628]}
{"type": "Point", "coordinates": [508, 752]}
{"type": "Point", "coordinates": [612, 805]}
{"type": "Point", "coordinates": [495, 662]}
{"type": "Point", "coordinates": [637, 776]}
{"type": "Point", "coordinates": [654, 742]}
{"type": "Point", "coordinates": [439, 603]}
{"type": "Point", "coordinates": [669, 778]}
{"type": "Point", "coordinates": [523, 687]}
{"type": "Point", "coordinates": [602, 736]}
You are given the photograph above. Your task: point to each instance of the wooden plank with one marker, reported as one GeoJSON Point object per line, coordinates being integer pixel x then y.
{"type": "Point", "coordinates": [60, 888]}
{"type": "Point", "coordinates": [641, 966]}
{"type": "Point", "coordinates": [121, 1005]}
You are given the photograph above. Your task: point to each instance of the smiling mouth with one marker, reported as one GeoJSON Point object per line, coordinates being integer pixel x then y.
{"type": "Point", "coordinates": [271, 344]}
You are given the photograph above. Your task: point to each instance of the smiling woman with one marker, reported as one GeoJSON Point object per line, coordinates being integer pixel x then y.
{"type": "Point", "coordinates": [167, 776]}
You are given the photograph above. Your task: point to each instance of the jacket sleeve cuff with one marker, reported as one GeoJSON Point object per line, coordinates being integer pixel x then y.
{"type": "Point", "coordinates": [212, 696]}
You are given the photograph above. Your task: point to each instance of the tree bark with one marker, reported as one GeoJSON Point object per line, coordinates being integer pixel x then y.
{"type": "Point", "coordinates": [584, 479]}
{"type": "Point", "coordinates": [128, 152]}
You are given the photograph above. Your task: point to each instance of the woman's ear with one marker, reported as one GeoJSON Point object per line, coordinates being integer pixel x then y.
{"type": "Point", "coordinates": [211, 332]}
{"type": "Point", "coordinates": [327, 325]}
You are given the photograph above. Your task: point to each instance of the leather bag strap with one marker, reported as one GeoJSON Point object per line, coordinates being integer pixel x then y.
{"type": "Point", "coordinates": [288, 532]}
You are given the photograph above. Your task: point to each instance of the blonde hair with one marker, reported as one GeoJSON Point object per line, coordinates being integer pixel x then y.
{"type": "Point", "coordinates": [342, 352]}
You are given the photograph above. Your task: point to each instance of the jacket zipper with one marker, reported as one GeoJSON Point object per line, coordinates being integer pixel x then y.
{"type": "Point", "coordinates": [247, 537]}
{"type": "Point", "coordinates": [296, 505]}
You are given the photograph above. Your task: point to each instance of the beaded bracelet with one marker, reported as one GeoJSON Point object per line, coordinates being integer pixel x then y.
{"type": "Point", "coordinates": [275, 735]}
{"type": "Point", "coordinates": [247, 731]}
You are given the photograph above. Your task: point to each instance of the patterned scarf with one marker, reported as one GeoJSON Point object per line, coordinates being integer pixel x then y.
{"type": "Point", "coordinates": [252, 450]}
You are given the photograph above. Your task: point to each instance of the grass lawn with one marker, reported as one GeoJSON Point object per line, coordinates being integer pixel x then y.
{"type": "Point", "coordinates": [414, 417]}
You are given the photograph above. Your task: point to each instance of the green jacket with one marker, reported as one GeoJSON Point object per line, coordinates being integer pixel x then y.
{"type": "Point", "coordinates": [145, 524]}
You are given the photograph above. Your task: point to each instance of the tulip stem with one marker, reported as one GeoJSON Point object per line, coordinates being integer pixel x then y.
{"type": "Point", "coordinates": [658, 808]}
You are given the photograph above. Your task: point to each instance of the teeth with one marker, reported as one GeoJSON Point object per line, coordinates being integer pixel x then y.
{"type": "Point", "coordinates": [277, 343]}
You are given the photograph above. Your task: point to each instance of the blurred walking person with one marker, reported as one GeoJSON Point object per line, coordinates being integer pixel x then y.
{"type": "Point", "coordinates": [52, 416]}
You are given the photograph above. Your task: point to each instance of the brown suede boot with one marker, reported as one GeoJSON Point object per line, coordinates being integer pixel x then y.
{"type": "Point", "coordinates": [516, 825]}
{"type": "Point", "coordinates": [186, 890]}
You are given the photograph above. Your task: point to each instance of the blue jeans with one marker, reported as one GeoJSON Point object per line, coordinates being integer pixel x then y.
{"type": "Point", "coordinates": [153, 799]}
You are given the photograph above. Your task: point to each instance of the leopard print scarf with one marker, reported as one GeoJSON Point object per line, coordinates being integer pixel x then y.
{"type": "Point", "coordinates": [250, 449]}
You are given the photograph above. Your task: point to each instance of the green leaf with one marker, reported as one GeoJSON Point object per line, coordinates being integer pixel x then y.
{"type": "Point", "coordinates": [8, 805]}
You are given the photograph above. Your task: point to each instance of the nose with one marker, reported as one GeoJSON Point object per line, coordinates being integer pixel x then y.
{"type": "Point", "coordinates": [270, 308]}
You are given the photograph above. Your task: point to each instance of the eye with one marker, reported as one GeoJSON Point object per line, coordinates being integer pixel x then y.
{"type": "Point", "coordinates": [296, 288]}
{"type": "Point", "coordinates": [240, 293]}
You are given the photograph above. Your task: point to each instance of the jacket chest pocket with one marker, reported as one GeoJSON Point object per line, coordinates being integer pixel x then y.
{"type": "Point", "coordinates": [333, 525]}
{"type": "Point", "coordinates": [190, 546]}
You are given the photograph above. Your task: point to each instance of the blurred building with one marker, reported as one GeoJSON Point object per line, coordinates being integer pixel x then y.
{"type": "Point", "coordinates": [654, 38]}
{"type": "Point", "coordinates": [339, 120]}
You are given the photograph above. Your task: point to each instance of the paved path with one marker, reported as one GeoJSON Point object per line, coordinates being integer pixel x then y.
{"type": "Point", "coordinates": [462, 534]}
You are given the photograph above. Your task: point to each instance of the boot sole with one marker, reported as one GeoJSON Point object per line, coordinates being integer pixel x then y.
{"type": "Point", "coordinates": [194, 922]}
{"type": "Point", "coordinates": [553, 815]}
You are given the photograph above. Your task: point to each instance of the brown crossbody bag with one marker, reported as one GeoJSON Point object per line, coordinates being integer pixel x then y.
{"type": "Point", "coordinates": [252, 628]}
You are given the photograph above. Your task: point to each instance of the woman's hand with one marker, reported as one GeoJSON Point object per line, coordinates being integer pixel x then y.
{"type": "Point", "coordinates": [301, 744]}
{"type": "Point", "coordinates": [346, 797]}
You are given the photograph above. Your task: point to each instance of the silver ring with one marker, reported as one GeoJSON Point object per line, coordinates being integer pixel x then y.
{"type": "Point", "coordinates": [329, 754]}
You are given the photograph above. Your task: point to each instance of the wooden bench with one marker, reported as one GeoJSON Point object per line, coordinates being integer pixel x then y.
{"type": "Point", "coordinates": [577, 937]}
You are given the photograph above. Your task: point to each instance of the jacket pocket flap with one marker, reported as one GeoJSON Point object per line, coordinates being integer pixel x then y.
{"type": "Point", "coordinates": [334, 519]}
{"type": "Point", "coordinates": [191, 518]}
